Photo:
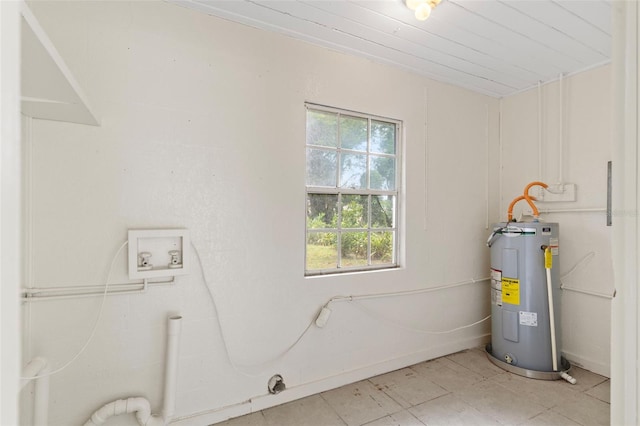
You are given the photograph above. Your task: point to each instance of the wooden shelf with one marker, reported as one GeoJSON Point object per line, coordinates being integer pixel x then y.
{"type": "Point", "coordinates": [49, 90]}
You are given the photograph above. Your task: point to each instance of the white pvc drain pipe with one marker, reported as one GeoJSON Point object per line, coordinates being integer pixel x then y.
{"type": "Point", "coordinates": [141, 406]}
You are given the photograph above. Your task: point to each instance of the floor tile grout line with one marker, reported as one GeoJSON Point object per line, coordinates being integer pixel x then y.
{"type": "Point", "coordinates": [565, 406]}
{"type": "Point", "coordinates": [332, 408]}
{"type": "Point", "coordinates": [560, 414]}
{"type": "Point", "coordinates": [393, 414]}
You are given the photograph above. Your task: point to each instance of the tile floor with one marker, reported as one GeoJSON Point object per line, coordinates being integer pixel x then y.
{"type": "Point", "coordinates": [459, 389]}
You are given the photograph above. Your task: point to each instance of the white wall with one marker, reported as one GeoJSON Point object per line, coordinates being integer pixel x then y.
{"type": "Point", "coordinates": [203, 126]}
{"type": "Point", "coordinates": [586, 150]}
{"type": "Point", "coordinates": [10, 195]}
{"type": "Point", "coordinates": [625, 330]}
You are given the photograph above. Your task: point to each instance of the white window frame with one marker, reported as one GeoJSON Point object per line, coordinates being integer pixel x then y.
{"type": "Point", "coordinates": [337, 190]}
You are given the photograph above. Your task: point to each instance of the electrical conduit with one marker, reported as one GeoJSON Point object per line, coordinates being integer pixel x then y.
{"type": "Point", "coordinates": [140, 406]}
{"type": "Point", "coordinates": [515, 201]}
{"type": "Point", "coordinates": [528, 198]}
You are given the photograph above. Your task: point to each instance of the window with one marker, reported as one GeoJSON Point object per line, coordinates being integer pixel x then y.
{"type": "Point", "coordinates": [352, 191]}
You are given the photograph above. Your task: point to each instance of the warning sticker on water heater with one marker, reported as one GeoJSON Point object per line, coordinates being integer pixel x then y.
{"type": "Point", "coordinates": [511, 291]}
{"type": "Point", "coordinates": [496, 276]}
{"type": "Point", "coordinates": [496, 297]}
{"type": "Point", "coordinates": [529, 318]}
{"type": "Point", "coordinates": [496, 287]}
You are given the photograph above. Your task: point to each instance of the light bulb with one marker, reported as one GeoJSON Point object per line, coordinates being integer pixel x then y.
{"type": "Point", "coordinates": [423, 11]}
{"type": "Point", "coordinates": [413, 4]}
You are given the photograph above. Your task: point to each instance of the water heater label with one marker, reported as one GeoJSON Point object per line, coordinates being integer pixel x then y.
{"type": "Point", "coordinates": [496, 287]}
{"type": "Point", "coordinates": [511, 291]}
{"type": "Point", "coordinates": [529, 318]}
{"type": "Point", "coordinates": [496, 276]}
{"type": "Point", "coordinates": [554, 246]}
{"type": "Point", "coordinates": [496, 297]}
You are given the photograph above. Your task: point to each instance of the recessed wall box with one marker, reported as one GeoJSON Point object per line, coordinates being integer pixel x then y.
{"type": "Point", "coordinates": [155, 253]}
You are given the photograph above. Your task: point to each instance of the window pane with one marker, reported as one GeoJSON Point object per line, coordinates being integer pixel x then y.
{"type": "Point", "coordinates": [353, 133]}
{"type": "Point", "coordinates": [322, 211]}
{"type": "Point", "coordinates": [321, 167]}
{"type": "Point", "coordinates": [383, 137]}
{"type": "Point", "coordinates": [383, 173]}
{"type": "Point", "coordinates": [381, 247]}
{"type": "Point", "coordinates": [353, 171]}
{"type": "Point", "coordinates": [322, 250]}
{"type": "Point", "coordinates": [382, 211]}
{"type": "Point", "coordinates": [355, 211]}
{"type": "Point", "coordinates": [322, 128]}
{"type": "Point", "coordinates": [351, 191]}
{"type": "Point", "coordinates": [354, 248]}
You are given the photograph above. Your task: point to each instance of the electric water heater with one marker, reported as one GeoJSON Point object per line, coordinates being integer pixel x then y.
{"type": "Point", "coordinates": [525, 296]}
{"type": "Point", "coordinates": [525, 327]}
{"type": "Point", "coordinates": [520, 328]}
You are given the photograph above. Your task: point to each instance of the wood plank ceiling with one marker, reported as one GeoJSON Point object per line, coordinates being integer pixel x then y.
{"type": "Point", "coordinates": [493, 47]}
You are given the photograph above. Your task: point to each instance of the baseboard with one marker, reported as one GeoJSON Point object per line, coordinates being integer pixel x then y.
{"type": "Point", "coordinates": [588, 364]}
{"type": "Point", "coordinates": [266, 401]}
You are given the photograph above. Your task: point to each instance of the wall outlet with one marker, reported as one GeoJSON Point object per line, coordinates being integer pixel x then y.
{"type": "Point", "coordinates": [560, 192]}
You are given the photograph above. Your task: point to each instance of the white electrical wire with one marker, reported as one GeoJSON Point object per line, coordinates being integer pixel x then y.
{"type": "Point", "coordinates": [238, 367]}
{"type": "Point", "coordinates": [396, 324]}
{"type": "Point", "coordinates": [582, 262]}
{"type": "Point", "coordinates": [95, 324]}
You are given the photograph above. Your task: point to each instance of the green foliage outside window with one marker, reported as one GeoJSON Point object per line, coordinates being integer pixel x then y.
{"type": "Point", "coordinates": [357, 157]}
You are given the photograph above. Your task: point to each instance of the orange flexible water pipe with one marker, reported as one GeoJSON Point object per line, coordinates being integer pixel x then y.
{"type": "Point", "coordinates": [513, 203]}
{"type": "Point", "coordinates": [528, 198]}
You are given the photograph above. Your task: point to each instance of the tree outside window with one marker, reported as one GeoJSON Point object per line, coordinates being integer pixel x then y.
{"type": "Point", "coordinates": [352, 194]}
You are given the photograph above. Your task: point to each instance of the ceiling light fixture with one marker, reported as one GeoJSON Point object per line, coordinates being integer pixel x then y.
{"type": "Point", "coordinates": [422, 8]}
